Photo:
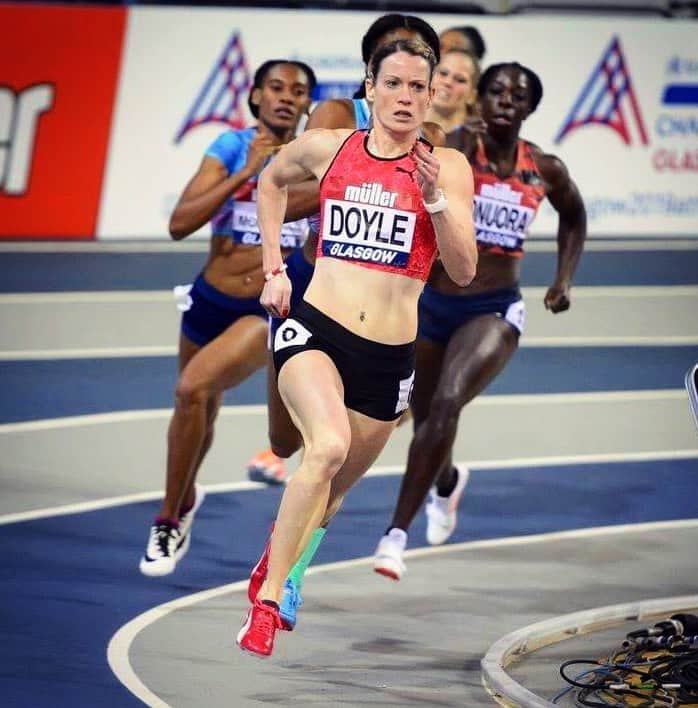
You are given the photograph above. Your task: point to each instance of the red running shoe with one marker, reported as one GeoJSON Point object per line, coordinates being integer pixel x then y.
{"type": "Point", "coordinates": [259, 572]}
{"type": "Point", "coordinates": [257, 634]}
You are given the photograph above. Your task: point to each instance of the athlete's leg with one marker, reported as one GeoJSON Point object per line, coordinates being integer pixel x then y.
{"type": "Point", "coordinates": [336, 442]}
{"type": "Point", "coordinates": [476, 353]}
{"type": "Point", "coordinates": [283, 434]}
{"type": "Point", "coordinates": [368, 438]}
{"type": "Point", "coordinates": [223, 363]}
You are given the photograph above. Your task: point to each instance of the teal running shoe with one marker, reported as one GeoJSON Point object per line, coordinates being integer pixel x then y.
{"type": "Point", "coordinates": [290, 602]}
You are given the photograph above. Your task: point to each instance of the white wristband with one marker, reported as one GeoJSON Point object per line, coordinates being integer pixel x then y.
{"type": "Point", "coordinates": [439, 205]}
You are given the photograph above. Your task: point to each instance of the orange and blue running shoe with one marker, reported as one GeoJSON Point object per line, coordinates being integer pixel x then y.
{"type": "Point", "coordinates": [268, 468]}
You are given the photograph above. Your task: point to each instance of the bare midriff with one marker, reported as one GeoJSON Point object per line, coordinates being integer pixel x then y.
{"type": "Point", "coordinates": [373, 304]}
{"type": "Point", "coordinates": [494, 272]}
{"type": "Point", "coordinates": [235, 268]}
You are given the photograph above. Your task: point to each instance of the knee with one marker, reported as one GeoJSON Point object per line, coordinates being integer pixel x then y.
{"type": "Point", "coordinates": [194, 394]}
{"type": "Point", "coordinates": [324, 458]}
{"type": "Point", "coordinates": [442, 421]}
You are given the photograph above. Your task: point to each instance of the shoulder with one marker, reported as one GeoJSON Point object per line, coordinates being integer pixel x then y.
{"type": "Point", "coordinates": [452, 158]}
{"type": "Point", "coordinates": [455, 174]}
{"type": "Point", "coordinates": [229, 143]}
{"type": "Point", "coordinates": [317, 144]}
{"type": "Point", "coordinates": [552, 168]}
{"type": "Point", "coordinates": [434, 133]}
{"type": "Point", "coordinates": [319, 138]}
{"type": "Point", "coordinates": [333, 113]}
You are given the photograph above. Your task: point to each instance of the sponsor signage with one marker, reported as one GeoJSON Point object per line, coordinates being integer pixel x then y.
{"type": "Point", "coordinates": [58, 71]}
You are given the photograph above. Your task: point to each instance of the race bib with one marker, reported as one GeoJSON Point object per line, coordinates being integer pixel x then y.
{"type": "Point", "coordinates": [500, 218]}
{"type": "Point", "coordinates": [245, 229]}
{"type": "Point", "coordinates": [369, 232]}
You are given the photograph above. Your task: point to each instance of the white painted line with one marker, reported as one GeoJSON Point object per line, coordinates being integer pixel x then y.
{"type": "Point", "coordinates": [621, 341]}
{"type": "Point", "coordinates": [94, 505]}
{"type": "Point", "coordinates": [120, 643]}
{"type": "Point", "coordinates": [619, 291]}
{"type": "Point", "coordinates": [629, 244]}
{"type": "Point", "coordinates": [92, 353]}
{"type": "Point", "coordinates": [171, 350]}
{"type": "Point", "coordinates": [483, 401]}
{"type": "Point", "coordinates": [115, 417]}
{"type": "Point", "coordinates": [377, 471]}
{"type": "Point", "coordinates": [200, 243]}
{"type": "Point", "coordinates": [88, 296]}
{"type": "Point", "coordinates": [195, 243]}
{"type": "Point", "coordinates": [137, 296]}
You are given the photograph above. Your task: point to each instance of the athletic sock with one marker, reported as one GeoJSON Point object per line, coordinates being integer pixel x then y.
{"type": "Point", "coordinates": [397, 534]}
{"type": "Point", "coordinates": [445, 490]}
{"type": "Point", "coordinates": [298, 570]}
{"type": "Point", "coordinates": [174, 523]}
{"type": "Point", "coordinates": [186, 508]}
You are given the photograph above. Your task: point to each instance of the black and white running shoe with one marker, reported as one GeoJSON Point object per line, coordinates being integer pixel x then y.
{"type": "Point", "coordinates": [167, 544]}
{"type": "Point", "coordinates": [161, 554]}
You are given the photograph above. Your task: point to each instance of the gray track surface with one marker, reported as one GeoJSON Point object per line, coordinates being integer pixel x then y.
{"type": "Point", "coordinates": [362, 640]}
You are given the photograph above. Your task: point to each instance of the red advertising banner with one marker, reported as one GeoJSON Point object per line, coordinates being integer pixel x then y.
{"type": "Point", "coordinates": [58, 75]}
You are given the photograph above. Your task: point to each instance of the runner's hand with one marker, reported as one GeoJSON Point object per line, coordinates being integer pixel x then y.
{"type": "Point", "coordinates": [276, 295]}
{"type": "Point", "coordinates": [259, 150]}
{"type": "Point", "coordinates": [557, 299]}
{"type": "Point", "coordinates": [427, 172]}
{"type": "Point", "coordinates": [475, 125]}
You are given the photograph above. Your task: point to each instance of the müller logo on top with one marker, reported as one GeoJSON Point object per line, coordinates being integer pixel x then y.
{"type": "Point", "coordinates": [365, 226]}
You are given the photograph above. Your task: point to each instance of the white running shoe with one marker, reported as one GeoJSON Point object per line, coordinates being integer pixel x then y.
{"type": "Point", "coordinates": [186, 520]}
{"type": "Point", "coordinates": [167, 545]}
{"type": "Point", "coordinates": [441, 511]}
{"type": "Point", "coordinates": [164, 544]}
{"type": "Point", "coordinates": [388, 559]}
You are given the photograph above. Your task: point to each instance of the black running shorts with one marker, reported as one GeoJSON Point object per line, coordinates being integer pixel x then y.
{"type": "Point", "coordinates": [377, 378]}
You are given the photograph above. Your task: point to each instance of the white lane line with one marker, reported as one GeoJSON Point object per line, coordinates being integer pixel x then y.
{"type": "Point", "coordinates": [620, 291]}
{"type": "Point", "coordinates": [171, 350]}
{"type": "Point", "coordinates": [87, 296]}
{"type": "Point", "coordinates": [89, 353]}
{"type": "Point", "coordinates": [120, 643]}
{"type": "Point", "coordinates": [620, 341]}
{"type": "Point", "coordinates": [130, 296]}
{"type": "Point", "coordinates": [377, 471]}
{"type": "Point", "coordinates": [116, 417]}
{"type": "Point", "coordinates": [194, 243]}
{"type": "Point", "coordinates": [94, 505]}
{"type": "Point", "coordinates": [526, 399]}
{"type": "Point", "coordinates": [200, 243]}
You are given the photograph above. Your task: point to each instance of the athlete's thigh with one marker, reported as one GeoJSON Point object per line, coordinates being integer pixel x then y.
{"type": "Point", "coordinates": [428, 361]}
{"type": "Point", "coordinates": [187, 351]}
{"type": "Point", "coordinates": [313, 393]}
{"type": "Point", "coordinates": [282, 431]}
{"type": "Point", "coordinates": [368, 438]}
{"type": "Point", "coordinates": [231, 357]}
{"type": "Point", "coordinates": [476, 353]}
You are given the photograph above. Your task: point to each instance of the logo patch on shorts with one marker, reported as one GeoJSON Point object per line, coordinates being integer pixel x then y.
{"type": "Point", "coordinates": [291, 334]}
{"type": "Point", "coordinates": [516, 315]}
{"type": "Point", "coordinates": [404, 394]}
